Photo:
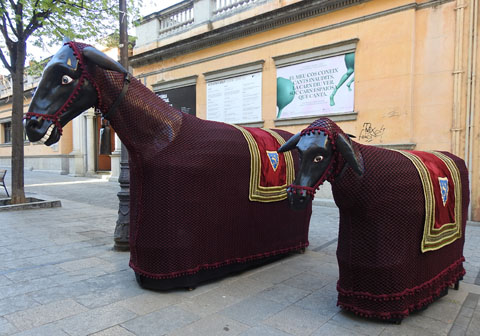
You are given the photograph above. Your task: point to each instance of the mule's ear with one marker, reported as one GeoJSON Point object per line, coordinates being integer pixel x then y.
{"type": "Point", "coordinates": [103, 61]}
{"type": "Point", "coordinates": [66, 39]}
{"type": "Point", "coordinates": [290, 144]}
{"type": "Point", "coordinates": [344, 146]}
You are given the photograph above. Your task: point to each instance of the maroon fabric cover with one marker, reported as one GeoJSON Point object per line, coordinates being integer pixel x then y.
{"type": "Point", "coordinates": [383, 273]}
{"type": "Point", "coordinates": [189, 185]}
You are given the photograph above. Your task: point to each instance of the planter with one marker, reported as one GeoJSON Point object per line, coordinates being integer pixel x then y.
{"type": "Point", "coordinates": [31, 203]}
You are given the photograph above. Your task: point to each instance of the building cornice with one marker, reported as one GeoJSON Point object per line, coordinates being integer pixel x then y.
{"type": "Point", "coordinates": [159, 54]}
{"type": "Point", "coordinates": [286, 15]}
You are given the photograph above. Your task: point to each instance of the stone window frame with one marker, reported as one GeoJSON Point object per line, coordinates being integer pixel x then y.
{"type": "Point", "coordinates": [174, 83]}
{"type": "Point", "coordinates": [237, 71]}
{"type": "Point", "coordinates": [177, 83]}
{"type": "Point", "coordinates": [4, 121]}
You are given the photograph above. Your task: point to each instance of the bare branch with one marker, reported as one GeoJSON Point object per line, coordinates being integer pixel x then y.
{"type": "Point", "coordinates": [5, 62]}
{"type": "Point", "coordinates": [3, 29]}
{"type": "Point", "coordinates": [35, 23]}
{"type": "Point", "coordinates": [6, 17]}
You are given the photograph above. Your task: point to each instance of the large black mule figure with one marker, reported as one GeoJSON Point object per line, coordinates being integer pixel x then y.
{"type": "Point", "coordinates": [402, 219]}
{"type": "Point", "coordinates": [196, 211]}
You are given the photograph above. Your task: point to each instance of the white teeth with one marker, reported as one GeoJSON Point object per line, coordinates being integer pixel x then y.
{"type": "Point", "coordinates": [47, 135]}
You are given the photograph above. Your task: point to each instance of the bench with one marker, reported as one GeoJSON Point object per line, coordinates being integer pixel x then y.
{"type": "Point", "coordinates": [3, 172]}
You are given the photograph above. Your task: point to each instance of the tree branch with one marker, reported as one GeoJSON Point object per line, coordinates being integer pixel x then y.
{"type": "Point", "coordinates": [5, 62]}
{"type": "Point", "coordinates": [3, 29]}
{"type": "Point", "coordinates": [6, 17]}
{"type": "Point", "coordinates": [35, 23]}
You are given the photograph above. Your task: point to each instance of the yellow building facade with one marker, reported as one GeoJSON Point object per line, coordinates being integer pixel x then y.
{"type": "Point", "coordinates": [408, 68]}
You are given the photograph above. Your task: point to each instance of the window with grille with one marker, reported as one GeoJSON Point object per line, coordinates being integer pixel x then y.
{"type": "Point", "coordinates": [7, 132]}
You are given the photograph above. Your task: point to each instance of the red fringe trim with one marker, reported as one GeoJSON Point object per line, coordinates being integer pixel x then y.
{"type": "Point", "coordinates": [432, 288]}
{"type": "Point", "coordinates": [192, 271]}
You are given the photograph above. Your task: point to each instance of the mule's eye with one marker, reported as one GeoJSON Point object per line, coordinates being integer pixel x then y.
{"type": "Point", "coordinates": [66, 80]}
{"type": "Point", "coordinates": [318, 158]}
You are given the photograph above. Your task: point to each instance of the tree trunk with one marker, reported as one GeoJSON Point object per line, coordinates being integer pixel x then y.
{"type": "Point", "coordinates": [18, 191]}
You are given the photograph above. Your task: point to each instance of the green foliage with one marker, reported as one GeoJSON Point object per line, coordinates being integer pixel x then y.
{"type": "Point", "coordinates": [46, 22]}
{"type": "Point", "coordinates": [35, 68]}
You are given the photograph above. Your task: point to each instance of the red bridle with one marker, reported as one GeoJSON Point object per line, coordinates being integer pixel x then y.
{"type": "Point", "coordinates": [328, 175]}
{"type": "Point", "coordinates": [55, 118]}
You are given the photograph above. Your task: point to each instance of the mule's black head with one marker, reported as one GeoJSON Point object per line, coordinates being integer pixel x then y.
{"type": "Point", "coordinates": [66, 89]}
{"type": "Point", "coordinates": [317, 156]}
{"type": "Point", "coordinates": [61, 77]}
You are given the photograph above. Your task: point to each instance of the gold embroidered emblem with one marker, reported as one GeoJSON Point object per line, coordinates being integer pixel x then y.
{"type": "Point", "coordinates": [274, 159]}
{"type": "Point", "coordinates": [443, 182]}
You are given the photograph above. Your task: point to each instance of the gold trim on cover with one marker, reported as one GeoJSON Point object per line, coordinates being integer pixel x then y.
{"type": "Point", "coordinates": [257, 192]}
{"type": "Point", "coordinates": [436, 238]}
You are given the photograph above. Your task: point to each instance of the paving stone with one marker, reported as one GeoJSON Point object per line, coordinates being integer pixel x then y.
{"type": "Point", "coordinates": [322, 302]}
{"type": "Point", "coordinates": [283, 294]}
{"type": "Point", "coordinates": [108, 296]}
{"type": "Point", "coordinates": [296, 320]}
{"type": "Point", "coordinates": [75, 265]}
{"type": "Point", "coordinates": [16, 303]}
{"type": "Point", "coordinates": [358, 324]}
{"type": "Point", "coordinates": [245, 286]}
{"type": "Point", "coordinates": [310, 281]}
{"type": "Point", "coordinates": [252, 310]}
{"type": "Point", "coordinates": [160, 322]}
{"type": "Point", "coordinates": [213, 325]}
{"type": "Point", "coordinates": [148, 302]}
{"type": "Point", "coordinates": [458, 330]}
{"type": "Point", "coordinates": [95, 320]}
{"type": "Point", "coordinates": [427, 324]}
{"type": "Point", "coordinates": [75, 276]}
{"type": "Point", "coordinates": [264, 331]}
{"type": "Point", "coordinates": [34, 273]}
{"type": "Point", "coordinates": [333, 329]}
{"type": "Point", "coordinates": [44, 330]}
{"type": "Point", "coordinates": [4, 281]}
{"type": "Point", "coordinates": [472, 300]}
{"type": "Point", "coordinates": [24, 287]}
{"type": "Point", "coordinates": [6, 328]}
{"type": "Point", "coordinates": [277, 273]}
{"type": "Point", "coordinates": [474, 327]}
{"type": "Point", "coordinates": [40, 315]}
{"type": "Point", "coordinates": [443, 310]}
{"type": "Point", "coordinates": [404, 330]}
{"type": "Point", "coordinates": [60, 292]}
{"type": "Point", "coordinates": [208, 303]}
{"type": "Point", "coordinates": [114, 331]}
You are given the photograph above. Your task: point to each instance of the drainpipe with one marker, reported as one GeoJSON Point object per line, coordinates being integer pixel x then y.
{"type": "Point", "coordinates": [471, 78]}
{"type": "Point", "coordinates": [457, 77]}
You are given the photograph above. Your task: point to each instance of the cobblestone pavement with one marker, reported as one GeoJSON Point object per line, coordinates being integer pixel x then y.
{"type": "Point", "coordinates": [60, 276]}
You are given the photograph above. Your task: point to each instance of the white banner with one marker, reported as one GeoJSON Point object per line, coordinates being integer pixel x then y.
{"type": "Point", "coordinates": [316, 87]}
{"type": "Point", "coordinates": [235, 100]}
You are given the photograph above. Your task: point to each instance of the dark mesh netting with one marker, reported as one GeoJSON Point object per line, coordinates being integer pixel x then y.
{"type": "Point", "coordinates": [383, 272]}
{"type": "Point", "coordinates": [189, 187]}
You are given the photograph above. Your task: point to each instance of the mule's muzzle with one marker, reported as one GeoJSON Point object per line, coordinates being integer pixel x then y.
{"type": "Point", "coordinates": [39, 129]}
{"type": "Point", "coordinates": [298, 199]}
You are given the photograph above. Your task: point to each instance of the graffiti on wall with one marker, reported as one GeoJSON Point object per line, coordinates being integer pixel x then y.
{"type": "Point", "coordinates": [369, 133]}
